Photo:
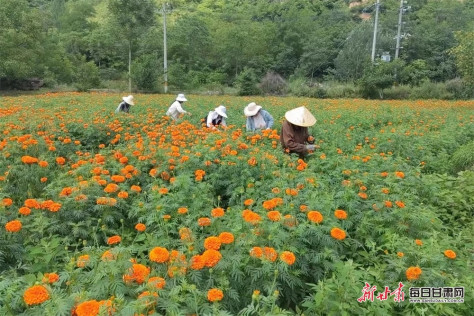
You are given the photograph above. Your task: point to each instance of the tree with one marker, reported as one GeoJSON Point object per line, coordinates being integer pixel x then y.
{"type": "Point", "coordinates": [378, 77]}
{"type": "Point", "coordinates": [132, 17]}
{"type": "Point", "coordinates": [464, 54]}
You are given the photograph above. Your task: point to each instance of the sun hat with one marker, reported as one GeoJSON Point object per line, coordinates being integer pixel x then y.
{"type": "Point", "coordinates": [221, 110]}
{"type": "Point", "coordinates": [251, 109]}
{"type": "Point", "coordinates": [181, 98]}
{"type": "Point", "coordinates": [300, 116]}
{"type": "Point", "coordinates": [129, 100]}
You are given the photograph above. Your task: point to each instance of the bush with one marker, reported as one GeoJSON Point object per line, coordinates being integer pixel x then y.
{"type": "Point", "coordinates": [86, 76]}
{"type": "Point", "coordinates": [431, 90]}
{"type": "Point", "coordinates": [463, 158]}
{"type": "Point", "coordinates": [145, 73]}
{"type": "Point", "coordinates": [336, 90]}
{"type": "Point", "coordinates": [299, 87]}
{"type": "Point", "coordinates": [400, 92]}
{"type": "Point", "coordinates": [459, 89]}
{"type": "Point", "coordinates": [247, 82]}
{"type": "Point", "coordinates": [273, 84]}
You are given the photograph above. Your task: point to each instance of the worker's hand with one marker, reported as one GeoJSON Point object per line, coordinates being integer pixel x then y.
{"type": "Point", "coordinates": [311, 139]}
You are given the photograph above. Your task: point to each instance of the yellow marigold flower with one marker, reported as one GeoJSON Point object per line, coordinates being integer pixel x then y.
{"type": "Point", "coordinates": [36, 294]}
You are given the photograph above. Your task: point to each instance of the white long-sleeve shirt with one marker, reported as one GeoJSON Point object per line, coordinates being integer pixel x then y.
{"type": "Point", "coordinates": [175, 109]}
{"type": "Point", "coordinates": [213, 116]}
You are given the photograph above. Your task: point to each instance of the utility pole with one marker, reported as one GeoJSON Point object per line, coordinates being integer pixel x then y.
{"type": "Point", "coordinates": [400, 14]}
{"type": "Point", "coordinates": [375, 29]}
{"type": "Point", "coordinates": [165, 54]}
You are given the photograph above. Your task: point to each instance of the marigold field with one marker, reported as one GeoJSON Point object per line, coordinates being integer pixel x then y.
{"type": "Point", "coordinates": [116, 214]}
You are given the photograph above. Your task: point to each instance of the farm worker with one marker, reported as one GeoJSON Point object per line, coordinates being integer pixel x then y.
{"type": "Point", "coordinates": [294, 131]}
{"type": "Point", "coordinates": [216, 117]}
{"type": "Point", "coordinates": [176, 107]}
{"type": "Point", "coordinates": [125, 105]}
{"type": "Point", "coordinates": [257, 118]}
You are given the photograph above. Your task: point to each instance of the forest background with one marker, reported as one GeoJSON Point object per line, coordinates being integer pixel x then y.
{"type": "Point", "coordinates": [315, 48]}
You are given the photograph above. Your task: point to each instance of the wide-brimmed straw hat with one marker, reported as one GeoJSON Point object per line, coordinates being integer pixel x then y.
{"type": "Point", "coordinates": [221, 110]}
{"type": "Point", "coordinates": [300, 116]}
{"type": "Point", "coordinates": [251, 109]}
{"type": "Point", "coordinates": [181, 98]}
{"type": "Point", "coordinates": [129, 100]}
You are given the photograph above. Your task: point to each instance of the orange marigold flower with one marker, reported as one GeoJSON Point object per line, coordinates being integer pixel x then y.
{"type": "Point", "coordinates": [32, 203]}
{"type": "Point", "coordinates": [60, 160]}
{"type": "Point", "coordinates": [43, 179]}
{"type": "Point", "coordinates": [400, 174]}
{"type": "Point", "coordinates": [13, 226]}
{"type": "Point", "coordinates": [43, 164]}
{"type": "Point", "coordinates": [114, 240]}
{"type": "Point", "coordinates": [82, 261]}
{"type": "Point", "coordinates": [248, 202]}
{"type": "Point", "coordinates": [7, 202]}
{"type": "Point", "coordinates": [204, 221]}
{"type": "Point", "coordinates": [450, 254]}
{"type": "Point", "coordinates": [340, 214]}
{"type": "Point", "coordinates": [111, 187]}
{"type": "Point", "coordinates": [385, 190]}
{"type": "Point", "coordinates": [251, 217]}
{"type": "Point", "coordinates": [163, 191]}
{"type": "Point", "coordinates": [66, 191]}
{"type": "Point", "coordinates": [400, 204]}
{"type": "Point", "coordinates": [36, 294]}
{"type": "Point", "coordinates": [185, 234]}
{"type": "Point", "coordinates": [156, 282]}
{"type": "Point", "coordinates": [24, 211]}
{"type": "Point", "coordinates": [50, 278]}
{"type": "Point", "coordinates": [211, 257]}
{"type": "Point", "coordinates": [256, 252]}
{"type": "Point", "coordinates": [292, 192]}
{"type": "Point", "coordinates": [413, 273]}
{"type": "Point", "coordinates": [212, 243]}
{"type": "Point", "coordinates": [384, 174]}
{"type": "Point", "coordinates": [226, 238]}
{"type": "Point", "coordinates": [303, 208]}
{"type": "Point", "coordinates": [29, 160]}
{"type": "Point", "coordinates": [362, 195]}
{"type": "Point", "coordinates": [315, 217]}
{"type": "Point", "coordinates": [400, 254]}
{"type": "Point", "coordinates": [136, 188]}
{"type": "Point", "coordinates": [117, 178]}
{"type": "Point", "coordinates": [338, 233]}
{"type": "Point", "coordinates": [388, 204]}
{"type": "Point", "coordinates": [288, 257]}
{"type": "Point", "coordinates": [215, 295]}
{"type": "Point", "coordinates": [269, 204]}
{"type": "Point", "coordinates": [88, 308]}
{"type": "Point", "coordinates": [140, 227]}
{"type": "Point", "coordinates": [137, 273]}
{"type": "Point", "coordinates": [123, 194]}
{"type": "Point", "coordinates": [276, 190]}
{"type": "Point", "coordinates": [123, 160]}
{"type": "Point", "coordinates": [217, 212]}
{"type": "Point", "coordinates": [418, 242]}
{"type": "Point", "coordinates": [159, 255]}
{"type": "Point", "coordinates": [107, 256]}
{"type": "Point", "coordinates": [274, 216]}
{"type": "Point", "coordinates": [197, 262]}
{"type": "Point", "coordinates": [148, 294]}
{"type": "Point", "coordinates": [270, 254]}
{"type": "Point", "coordinates": [182, 210]}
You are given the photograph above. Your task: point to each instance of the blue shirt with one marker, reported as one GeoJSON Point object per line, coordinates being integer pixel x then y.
{"type": "Point", "coordinates": [266, 117]}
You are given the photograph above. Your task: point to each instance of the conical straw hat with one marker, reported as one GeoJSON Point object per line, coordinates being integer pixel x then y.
{"type": "Point", "coordinates": [300, 116]}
